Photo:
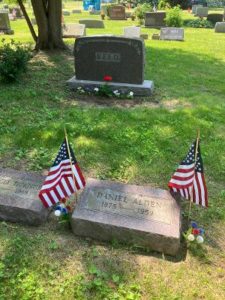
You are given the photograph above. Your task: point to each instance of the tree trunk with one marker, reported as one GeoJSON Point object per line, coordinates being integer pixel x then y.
{"type": "Point", "coordinates": [48, 16]}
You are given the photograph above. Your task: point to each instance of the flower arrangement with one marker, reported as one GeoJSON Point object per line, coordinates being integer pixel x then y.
{"type": "Point", "coordinates": [64, 208]}
{"type": "Point", "coordinates": [195, 234]}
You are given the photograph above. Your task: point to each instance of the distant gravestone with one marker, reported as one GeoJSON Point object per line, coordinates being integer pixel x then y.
{"type": "Point", "coordinates": [213, 18]}
{"type": "Point", "coordinates": [33, 21]}
{"type": "Point", "coordinates": [95, 12]}
{"type": "Point", "coordinates": [76, 11]}
{"type": "Point", "coordinates": [132, 31]}
{"type": "Point", "coordinates": [202, 12]}
{"type": "Point", "coordinates": [172, 34]}
{"type": "Point", "coordinates": [17, 12]}
{"type": "Point", "coordinates": [19, 197]}
{"type": "Point", "coordinates": [144, 36]}
{"type": "Point", "coordinates": [220, 27]}
{"type": "Point", "coordinates": [100, 56]}
{"type": "Point", "coordinates": [66, 13]}
{"type": "Point", "coordinates": [117, 12]}
{"type": "Point", "coordinates": [155, 19]}
{"type": "Point", "coordinates": [194, 8]}
{"type": "Point", "coordinates": [91, 23]}
{"type": "Point", "coordinates": [135, 215]}
{"type": "Point", "coordinates": [74, 30]}
{"type": "Point", "coordinates": [5, 23]}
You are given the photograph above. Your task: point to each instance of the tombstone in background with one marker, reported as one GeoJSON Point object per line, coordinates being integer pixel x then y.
{"type": "Point", "coordinates": [19, 200]}
{"type": "Point", "coordinates": [144, 36]}
{"type": "Point", "coordinates": [155, 19]}
{"type": "Point", "coordinates": [134, 215]}
{"type": "Point", "coordinates": [116, 12]}
{"type": "Point", "coordinates": [172, 34]}
{"type": "Point", "coordinates": [220, 27]}
{"type": "Point", "coordinates": [91, 23]}
{"type": "Point", "coordinates": [76, 11]}
{"type": "Point", "coordinates": [12, 17]}
{"type": "Point", "coordinates": [5, 23]}
{"type": "Point", "coordinates": [194, 8]}
{"type": "Point", "coordinates": [17, 12]}
{"type": "Point", "coordinates": [202, 12]}
{"type": "Point", "coordinates": [213, 18]}
{"type": "Point", "coordinates": [94, 12]}
{"type": "Point", "coordinates": [121, 58]}
{"type": "Point", "coordinates": [132, 32]}
{"type": "Point", "coordinates": [74, 30]}
{"type": "Point", "coordinates": [66, 13]}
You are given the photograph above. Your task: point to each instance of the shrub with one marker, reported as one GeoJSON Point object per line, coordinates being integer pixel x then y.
{"type": "Point", "coordinates": [140, 11]}
{"type": "Point", "coordinates": [173, 17]}
{"type": "Point", "coordinates": [199, 23]}
{"type": "Point", "coordinates": [163, 4]}
{"type": "Point", "coordinates": [13, 60]}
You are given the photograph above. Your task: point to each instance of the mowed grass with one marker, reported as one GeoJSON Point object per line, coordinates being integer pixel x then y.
{"type": "Point", "coordinates": [129, 141]}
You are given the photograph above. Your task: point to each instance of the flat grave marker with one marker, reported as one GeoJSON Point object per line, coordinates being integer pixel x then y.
{"type": "Point", "coordinates": [128, 213]}
{"type": "Point", "coordinates": [91, 23]}
{"type": "Point", "coordinates": [19, 200]}
{"type": "Point", "coordinates": [74, 30]}
{"type": "Point", "coordinates": [132, 32]}
{"type": "Point", "coordinates": [172, 34]}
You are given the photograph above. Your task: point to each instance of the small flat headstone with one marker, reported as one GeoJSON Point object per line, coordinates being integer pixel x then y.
{"type": "Point", "coordinates": [66, 13]}
{"type": "Point", "coordinates": [194, 8]}
{"type": "Point", "coordinates": [117, 12]}
{"type": "Point", "coordinates": [132, 31]}
{"type": "Point", "coordinates": [91, 23]}
{"type": "Point", "coordinates": [172, 34]}
{"type": "Point", "coordinates": [155, 19]}
{"type": "Point", "coordinates": [220, 27]}
{"type": "Point", "coordinates": [131, 214]}
{"type": "Point", "coordinates": [95, 12]}
{"type": "Point", "coordinates": [74, 30]}
{"type": "Point", "coordinates": [215, 18]}
{"type": "Point", "coordinates": [144, 36]}
{"type": "Point", "coordinates": [76, 11]}
{"type": "Point", "coordinates": [202, 12]}
{"type": "Point", "coordinates": [19, 200]}
{"type": "Point", "coordinates": [155, 36]}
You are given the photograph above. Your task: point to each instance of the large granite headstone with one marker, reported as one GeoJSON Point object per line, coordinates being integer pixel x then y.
{"type": "Point", "coordinates": [74, 30]}
{"type": "Point", "coordinates": [91, 23]}
{"type": "Point", "coordinates": [19, 200]}
{"type": "Point", "coordinates": [120, 58]}
{"type": "Point", "coordinates": [202, 12]}
{"type": "Point", "coordinates": [155, 19]}
{"type": "Point", "coordinates": [132, 32]}
{"type": "Point", "coordinates": [5, 23]}
{"type": "Point", "coordinates": [213, 18]}
{"type": "Point", "coordinates": [128, 213]}
{"type": "Point", "coordinates": [117, 12]}
{"type": "Point", "coordinates": [220, 27]}
{"type": "Point", "coordinates": [172, 34]}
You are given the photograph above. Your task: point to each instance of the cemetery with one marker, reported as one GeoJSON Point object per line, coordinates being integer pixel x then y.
{"type": "Point", "coordinates": [132, 204]}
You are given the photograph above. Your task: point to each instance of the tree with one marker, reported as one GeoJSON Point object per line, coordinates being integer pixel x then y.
{"type": "Point", "coordinates": [48, 14]}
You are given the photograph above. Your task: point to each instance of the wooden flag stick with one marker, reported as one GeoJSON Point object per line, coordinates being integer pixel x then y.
{"type": "Point", "coordinates": [196, 153]}
{"type": "Point", "coordinates": [71, 164]}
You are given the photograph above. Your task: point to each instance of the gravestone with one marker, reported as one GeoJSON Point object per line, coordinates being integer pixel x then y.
{"type": "Point", "coordinates": [91, 23]}
{"type": "Point", "coordinates": [144, 36]}
{"type": "Point", "coordinates": [155, 19]}
{"type": "Point", "coordinates": [132, 31]}
{"type": "Point", "coordinates": [95, 12]}
{"type": "Point", "coordinates": [66, 13]}
{"type": "Point", "coordinates": [98, 56]}
{"type": "Point", "coordinates": [76, 11]}
{"type": "Point", "coordinates": [117, 12]}
{"type": "Point", "coordinates": [74, 30]}
{"type": "Point", "coordinates": [194, 8]}
{"type": "Point", "coordinates": [220, 27]}
{"type": "Point", "coordinates": [131, 214]}
{"type": "Point", "coordinates": [172, 34]}
{"type": "Point", "coordinates": [155, 36]}
{"type": "Point", "coordinates": [213, 18]}
{"type": "Point", "coordinates": [5, 23]}
{"type": "Point", "coordinates": [202, 12]}
{"type": "Point", "coordinates": [33, 21]}
{"type": "Point", "coordinates": [17, 12]}
{"type": "Point", "coordinates": [19, 200]}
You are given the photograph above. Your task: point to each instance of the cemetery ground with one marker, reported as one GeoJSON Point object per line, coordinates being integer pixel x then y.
{"type": "Point", "coordinates": [123, 140]}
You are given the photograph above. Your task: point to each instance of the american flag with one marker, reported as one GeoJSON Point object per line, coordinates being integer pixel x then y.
{"type": "Point", "coordinates": [59, 183]}
{"type": "Point", "coordinates": [189, 180]}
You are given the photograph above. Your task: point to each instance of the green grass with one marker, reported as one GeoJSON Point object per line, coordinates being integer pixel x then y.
{"type": "Point", "coordinates": [137, 142]}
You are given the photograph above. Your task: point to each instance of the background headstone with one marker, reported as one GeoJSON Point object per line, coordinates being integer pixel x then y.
{"type": "Point", "coordinates": [76, 11]}
{"type": "Point", "coordinates": [215, 18]}
{"type": "Point", "coordinates": [202, 12]}
{"type": "Point", "coordinates": [117, 12]}
{"type": "Point", "coordinates": [172, 34]}
{"type": "Point", "coordinates": [194, 8]}
{"type": "Point", "coordinates": [19, 200]}
{"type": "Point", "coordinates": [220, 27]}
{"type": "Point", "coordinates": [17, 12]}
{"type": "Point", "coordinates": [66, 13]}
{"type": "Point", "coordinates": [5, 23]}
{"type": "Point", "coordinates": [155, 19]}
{"type": "Point", "coordinates": [132, 32]}
{"type": "Point", "coordinates": [131, 214]}
{"type": "Point", "coordinates": [74, 30]}
{"type": "Point", "coordinates": [91, 23]}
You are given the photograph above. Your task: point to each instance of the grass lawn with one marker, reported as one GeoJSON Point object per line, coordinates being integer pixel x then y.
{"type": "Point", "coordinates": [129, 141]}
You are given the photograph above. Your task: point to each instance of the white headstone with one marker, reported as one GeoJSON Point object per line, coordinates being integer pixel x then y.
{"type": "Point", "coordinates": [220, 27]}
{"type": "Point", "coordinates": [202, 12]}
{"type": "Point", "coordinates": [172, 34]}
{"type": "Point", "coordinates": [132, 32]}
{"type": "Point", "coordinates": [74, 30]}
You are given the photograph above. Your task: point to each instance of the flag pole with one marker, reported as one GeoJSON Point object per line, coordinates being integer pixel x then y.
{"type": "Point", "coordinates": [196, 153]}
{"type": "Point", "coordinates": [71, 165]}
